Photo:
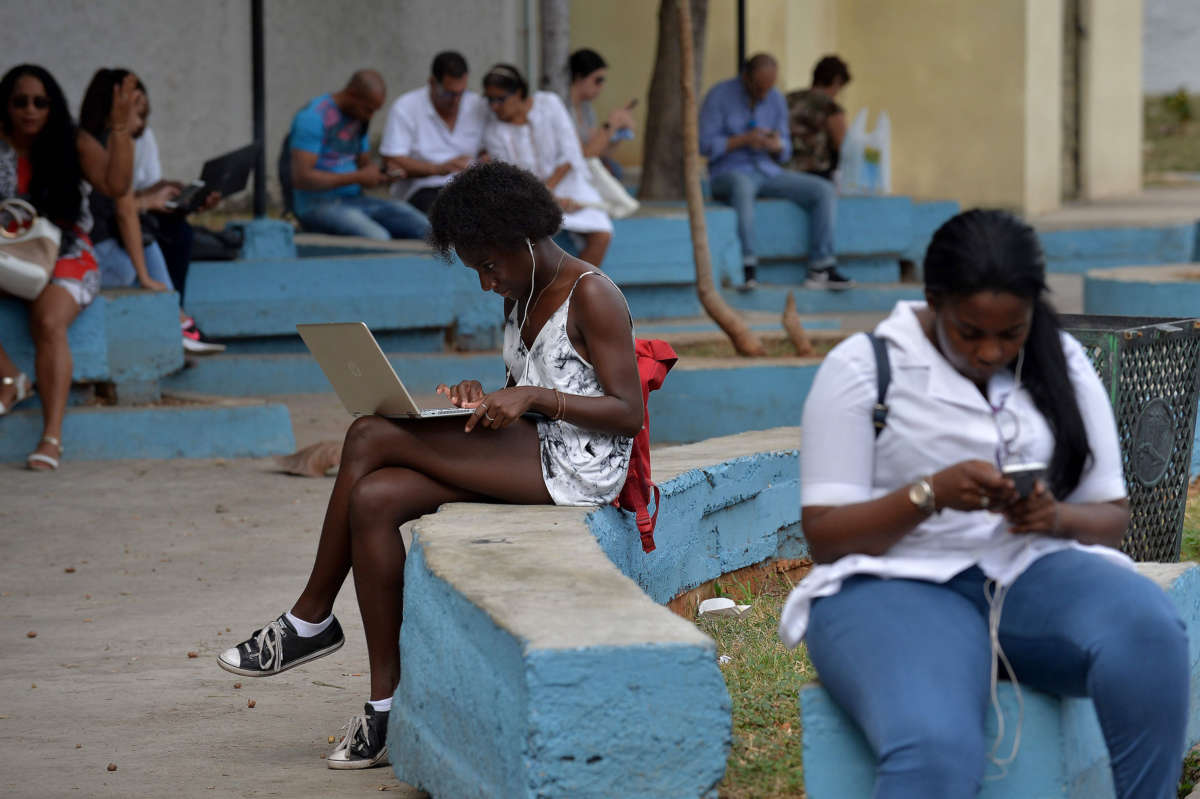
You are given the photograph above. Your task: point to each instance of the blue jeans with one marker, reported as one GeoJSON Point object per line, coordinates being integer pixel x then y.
{"type": "Point", "coordinates": [816, 196]}
{"type": "Point", "coordinates": [117, 272]}
{"type": "Point", "coordinates": [910, 662]}
{"type": "Point", "coordinates": [369, 217]}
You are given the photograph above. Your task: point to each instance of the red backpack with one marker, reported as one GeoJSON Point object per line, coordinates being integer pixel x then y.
{"type": "Point", "coordinates": [654, 359]}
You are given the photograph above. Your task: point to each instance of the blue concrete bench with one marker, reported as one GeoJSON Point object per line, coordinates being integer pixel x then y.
{"type": "Point", "coordinates": [1078, 250]}
{"type": "Point", "coordinates": [130, 339]}
{"type": "Point", "coordinates": [1062, 753]}
{"type": "Point", "coordinates": [537, 661]}
{"type": "Point", "coordinates": [127, 337]}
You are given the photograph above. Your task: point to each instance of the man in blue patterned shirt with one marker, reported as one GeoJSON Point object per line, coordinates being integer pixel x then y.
{"type": "Point", "coordinates": [744, 135]}
{"type": "Point", "coordinates": [331, 165]}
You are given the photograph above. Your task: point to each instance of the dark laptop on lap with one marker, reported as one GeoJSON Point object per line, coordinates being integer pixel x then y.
{"type": "Point", "coordinates": [226, 174]}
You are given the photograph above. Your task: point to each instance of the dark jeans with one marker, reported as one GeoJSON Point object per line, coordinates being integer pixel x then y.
{"type": "Point", "coordinates": [174, 236]}
{"type": "Point", "coordinates": [422, 199]}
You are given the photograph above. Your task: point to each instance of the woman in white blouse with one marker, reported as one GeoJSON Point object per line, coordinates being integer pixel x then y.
{"type": "Point", "coordinates": [931, 565]}
{"type": "Point", "coordinates": [535, 132]}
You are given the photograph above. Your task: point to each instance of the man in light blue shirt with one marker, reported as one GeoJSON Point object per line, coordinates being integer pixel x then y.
{"type": "Point", "coordinates": [744, 135]}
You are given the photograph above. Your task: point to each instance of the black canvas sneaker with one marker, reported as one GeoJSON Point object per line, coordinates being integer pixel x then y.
{"type": "Point", "coordinates": [365, 744]}
{"type": "Point", "coordinates": [278, 647]}
{"type": "Point", "coordinates": [828, 279]}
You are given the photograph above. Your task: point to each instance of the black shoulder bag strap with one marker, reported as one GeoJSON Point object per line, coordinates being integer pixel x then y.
{"type": "Point", "coordinates": [883, 376]}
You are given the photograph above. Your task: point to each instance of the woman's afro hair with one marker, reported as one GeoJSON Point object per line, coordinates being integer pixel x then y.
{"type": "Point", "coordinates": [492, 206]}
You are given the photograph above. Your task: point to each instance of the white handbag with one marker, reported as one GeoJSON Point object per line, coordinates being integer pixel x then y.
{"type": "Point", "coordinates": [617, 202]}
{"type": "Point", "coordinates": [28, 249]}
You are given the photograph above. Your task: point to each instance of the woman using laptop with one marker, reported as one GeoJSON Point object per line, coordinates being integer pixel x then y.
{"type": "Point", "coordinates": [568, 350]}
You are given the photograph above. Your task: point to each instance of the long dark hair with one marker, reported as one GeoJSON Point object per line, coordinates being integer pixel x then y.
{"type": "Point", "coordinates": [54, 184]}
{"type": "Point", "coordinates": [97, 103]}
{"type": "Point", "coordinates": [986, 250]}
{"type": "Point", "coordinates": [584, 62]}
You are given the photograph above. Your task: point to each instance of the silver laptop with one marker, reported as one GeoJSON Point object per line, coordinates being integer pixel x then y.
{"type": "Point", "coordinates": [360, 373]}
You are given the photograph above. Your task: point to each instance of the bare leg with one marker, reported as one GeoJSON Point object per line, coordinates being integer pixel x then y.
{"type": "Point", "coordinates": [49, 317]}
{"type": "Point", "coordinates": [597, 245]}
{"type": "Point", "coordinates": [435, 447]}
{"type": "Point", "coordinates": [379, 504]}
{"type": "Point", "coordinates": [430, 462]}
{"type": "Point", "coordinates": [7, 369]}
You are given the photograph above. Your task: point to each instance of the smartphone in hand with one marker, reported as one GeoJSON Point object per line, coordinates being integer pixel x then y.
{"type": "Point", "coordinates": [1024, 475]}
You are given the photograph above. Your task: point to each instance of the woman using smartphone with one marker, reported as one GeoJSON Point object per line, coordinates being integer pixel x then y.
{"type": "Point", "coordinates": [931, 565]}
{"type": "Point", "coordinates": [588, 74]}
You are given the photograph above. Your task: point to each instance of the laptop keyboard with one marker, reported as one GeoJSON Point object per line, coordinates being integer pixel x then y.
{"type": "Point", "coordinates": [447, 412]}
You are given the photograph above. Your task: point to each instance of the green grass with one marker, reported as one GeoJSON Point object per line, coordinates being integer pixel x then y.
{"type": "Point", "coordinates": [1190, 549]}
{"type": "Point", "coordinates": [764, 682]}
{"type": "Point", "coordinates": [1171, 139]}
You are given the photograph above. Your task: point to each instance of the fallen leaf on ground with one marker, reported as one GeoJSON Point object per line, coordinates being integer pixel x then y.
{"type": "Point", "coordinates": [193, 654]}
{"type": "Point", "coordinates": [78, 746]}
{"type": "Point", "coordinates": [330, 739]}
{"type": "Point", "coordinates": [69, 570]}
{"type": "Point", "coordinates": [250, 703]}
{"type": "Point", "coordinates": [237, 685]}
{"type": "Point", "coordinates": [31, 634]}
{"type": "Point", "coordinates": [112, 766]}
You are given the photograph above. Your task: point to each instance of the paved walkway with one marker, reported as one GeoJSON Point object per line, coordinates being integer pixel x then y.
{"type": "Point", "coordinates": [122, 569]}
{"type": "Point", "coordinates": [1158, 205]}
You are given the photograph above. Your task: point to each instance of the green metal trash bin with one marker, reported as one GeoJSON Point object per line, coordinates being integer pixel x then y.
{"type": "Point", "coordinates": [1151, 369]}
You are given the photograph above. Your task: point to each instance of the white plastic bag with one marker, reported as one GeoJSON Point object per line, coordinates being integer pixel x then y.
{"type": "Point", "coordinates": [866, 157]}
{"type": "Point", "coordinates": [617, 202]}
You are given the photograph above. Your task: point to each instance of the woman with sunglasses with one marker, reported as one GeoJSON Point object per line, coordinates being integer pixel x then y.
{"type": "Point", "coordinates": [44, 159]}
{"type": "Point", "coordinates": [534, 131]}
{"type": "Point", "coordinates": [588, 73]}
{"type": "Point", "coordinates": [933, 565]}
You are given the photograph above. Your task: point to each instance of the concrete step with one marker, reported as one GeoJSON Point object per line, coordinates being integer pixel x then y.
{"type": "Point", "coordinates": [866, 269]}
{"type": "Point", "coordinates": [214, 428]}
{"type": "Point", "coordinates": [864, 297]}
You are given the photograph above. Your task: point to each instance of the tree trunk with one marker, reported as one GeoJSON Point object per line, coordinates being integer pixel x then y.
{"type": "Point", "coordinates": [662, 161]}
{"type": "Point", "coordinates": [745, 341]}
{"type": "Point", "coordinates": [556, 44]}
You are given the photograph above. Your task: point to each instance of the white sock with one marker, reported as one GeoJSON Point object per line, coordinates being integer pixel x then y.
{"type": "Point", "coordinates": [307, 629]}
{"type": "Point", "coordinates": [381, 705]}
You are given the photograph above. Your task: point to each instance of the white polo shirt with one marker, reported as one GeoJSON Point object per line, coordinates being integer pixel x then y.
{"type": "Point", "coordinates": [936, 418]}
{"type": "Point", "coordinates": [414, 130]}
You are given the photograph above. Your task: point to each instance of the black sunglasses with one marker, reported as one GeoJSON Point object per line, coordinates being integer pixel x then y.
{"type": "Point", "coordinates": [446, 94]}
{"type": "Point", "coordinates": [40, 102]}
{"type": "Point", "coordinates": [498, 100]}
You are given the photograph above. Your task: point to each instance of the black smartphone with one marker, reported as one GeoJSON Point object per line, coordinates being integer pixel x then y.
{"type": "Point", "coordinates": [1024, 475]}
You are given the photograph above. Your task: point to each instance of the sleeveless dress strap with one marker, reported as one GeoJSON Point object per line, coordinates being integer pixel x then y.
{"type": "Point", "coordinates": [610, 280]}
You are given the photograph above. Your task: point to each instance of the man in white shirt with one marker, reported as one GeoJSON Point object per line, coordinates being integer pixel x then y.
{"type": "Point", "coordinates": [434, 132]}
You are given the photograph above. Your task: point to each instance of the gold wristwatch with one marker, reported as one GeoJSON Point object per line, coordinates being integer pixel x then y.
{"type": "Point", "coordinates": [920, 493]}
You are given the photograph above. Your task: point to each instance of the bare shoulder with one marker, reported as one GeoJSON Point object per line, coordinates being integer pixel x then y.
{"type": "Point", "coordinates": [598, 301]}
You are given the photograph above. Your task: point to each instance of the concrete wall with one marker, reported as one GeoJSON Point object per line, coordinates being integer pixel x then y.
{"type": "Point", "coordinates": [1043, 105]}
{"type": "Point", "coordinates": [195, 57]}
{"type": "Point", "coordinates": [1111, 135]}
{"type": "Point", "coordinates": [974, 89]}
{"type": "Point", "coordinates": [957, 103]}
